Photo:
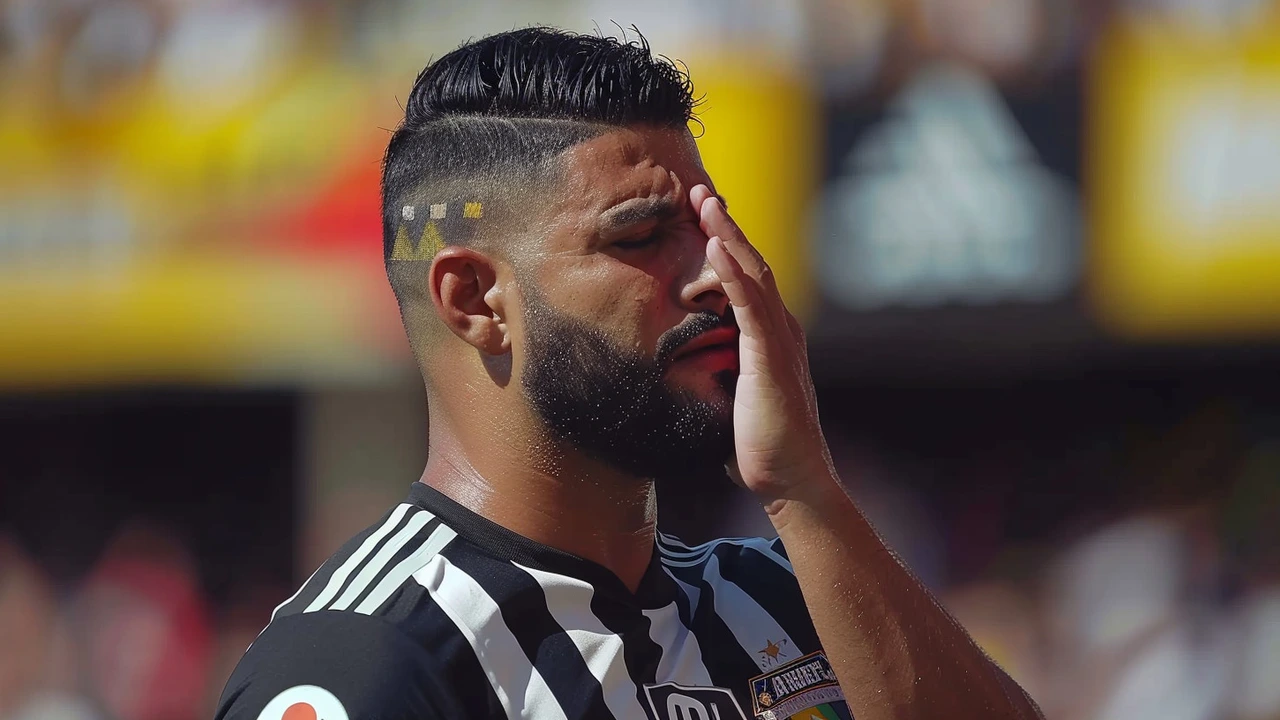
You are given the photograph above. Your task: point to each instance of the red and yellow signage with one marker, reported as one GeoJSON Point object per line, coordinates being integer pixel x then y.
{"type": "Point", "coordinates": [234, 234]}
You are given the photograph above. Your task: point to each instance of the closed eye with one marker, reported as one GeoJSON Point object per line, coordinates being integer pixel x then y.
{"type": "Point", "coordinates": [637, 243]}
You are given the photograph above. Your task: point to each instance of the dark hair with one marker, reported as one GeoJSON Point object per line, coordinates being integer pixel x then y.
{"type": "Point", "coordinates": [495, 112]}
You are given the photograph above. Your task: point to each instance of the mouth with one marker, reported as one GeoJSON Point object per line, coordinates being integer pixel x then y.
{"type": "Point", "coordinates": [718, 342]}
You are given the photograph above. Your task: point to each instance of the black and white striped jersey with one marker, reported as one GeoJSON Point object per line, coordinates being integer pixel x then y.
{"type": "Point", "coordinates": [436, 612]}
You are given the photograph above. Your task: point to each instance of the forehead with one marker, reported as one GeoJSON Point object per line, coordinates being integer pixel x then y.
{"type": "Point", "coordinates": [624, 164]}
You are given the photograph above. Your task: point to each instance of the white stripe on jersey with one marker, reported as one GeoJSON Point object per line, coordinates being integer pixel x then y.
{"type": "Point", "coordinates": [441, 536]}
{"type": "Point", "coordinates": [764, 547]}
{"type": "Point", "coordinates": [378, 562]}
{"type": "Point", "coordinates": [480, 621]}
{"type": "Point", "coordinates": [671, 543]}
{"type": "Point", "coordinates": [677, 550]}
{"type": "Point", "coordinates": [677, 554]}
{"type": "Point", "coordinates": [569, 602]}
{"type": "Point", "coordinates": [689, 560]}
{"type": "Point", "coordinates": [752, 626]}
{"type": "Point", "coordinates": [681, 660]}
{"type": "Point", "coordinates": [340, 575]}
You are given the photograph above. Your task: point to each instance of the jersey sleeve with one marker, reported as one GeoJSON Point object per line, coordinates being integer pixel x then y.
{"type": "Point", "coordinates": [761, 569]}
{"type": "Point", "coordinates": [335, 666]}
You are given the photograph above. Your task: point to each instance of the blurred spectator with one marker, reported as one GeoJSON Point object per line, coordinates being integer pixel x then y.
{"type": "Point", "coordinates": [145, 629]}
{"type": "Point", "coordinates": [1130, 640]}
{"type": "Point", "coordinates": [850, 39]}
{"type": "Point", "coordinates": [26, 623]}
{"type": "Point", "coordinates": [1255, 692]}
{"type": "Point", "coordinates": [33, 679]}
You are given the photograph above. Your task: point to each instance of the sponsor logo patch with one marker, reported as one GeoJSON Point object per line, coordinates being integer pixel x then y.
{"type": "Point", "coordinates": [801, 685]}
{"type": "Point", "coordinates": [670, 701]}
{"type": "Point", "coordinates": [304, 702]}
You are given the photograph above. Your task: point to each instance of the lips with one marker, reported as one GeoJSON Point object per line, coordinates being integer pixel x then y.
{"type": "Point", "coordinates": [720, 338]}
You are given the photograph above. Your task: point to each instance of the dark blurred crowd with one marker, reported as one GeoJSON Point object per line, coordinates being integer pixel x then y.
{"type": "Point", "coordinates": [1121, 560]}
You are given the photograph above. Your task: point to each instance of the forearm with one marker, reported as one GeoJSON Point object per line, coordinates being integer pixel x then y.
{"type": "Point", "coordinates": [897, 653]}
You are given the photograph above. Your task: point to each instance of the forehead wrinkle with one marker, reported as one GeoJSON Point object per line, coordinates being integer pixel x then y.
{"type": "Point", "coordinates": [650, 191]}
{"type": "Point", "coordinates": [638, 210]}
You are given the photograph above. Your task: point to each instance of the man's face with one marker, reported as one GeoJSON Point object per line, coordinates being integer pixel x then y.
{"type": "Point", "coordinates": [617, 289]}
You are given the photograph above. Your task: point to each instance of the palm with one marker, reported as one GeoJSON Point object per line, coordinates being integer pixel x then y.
{"type": "Point", "coordinates": [777, 437]}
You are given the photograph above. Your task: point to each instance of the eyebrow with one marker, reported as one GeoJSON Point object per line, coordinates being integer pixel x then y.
{"type": "Point", "coordinates": [640, 210]}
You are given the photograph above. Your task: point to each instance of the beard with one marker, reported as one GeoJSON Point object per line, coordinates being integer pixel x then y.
{"type": "Point", "coordinates": [615, 405]}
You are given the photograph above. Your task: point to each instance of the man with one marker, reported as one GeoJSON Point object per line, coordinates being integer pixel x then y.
{"type": "Point", "coordinates": [587, 318]}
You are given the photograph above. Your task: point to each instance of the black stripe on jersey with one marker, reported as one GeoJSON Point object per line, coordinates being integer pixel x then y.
{"type": "Point", "coordinates": [773, 588]}
{"type": "Point", "coordinates": [726, 661]}
{"type": "Point", "coordinates": [305, 594]}
{"type": "Point", "coordinates": [639, 652]}
{"type": "Point", "coordinates": [364, 562]}
{"type": "Point", "coordinates": [415, 543]}
{"type": "Point", "coordinates": [684, 606]}
{"type": "Point", "coordinates": [777, 546]}
{"type": "Point", "coordinates": [547, 646]}
{"type": "Point", "coordinates": [320, 580]}
{"type": "Point", "coordinates": [411, 609]}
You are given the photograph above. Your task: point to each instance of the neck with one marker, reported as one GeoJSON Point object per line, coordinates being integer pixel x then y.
{"type": "Point", "coordinates": [548, 494]}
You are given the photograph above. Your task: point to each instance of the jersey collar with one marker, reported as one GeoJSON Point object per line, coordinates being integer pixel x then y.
{"type": "Point", "coordinates": [657, 588]}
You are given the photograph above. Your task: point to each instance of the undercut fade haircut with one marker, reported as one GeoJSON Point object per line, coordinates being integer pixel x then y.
{"type": "Point", "coordinates": [484, 125]}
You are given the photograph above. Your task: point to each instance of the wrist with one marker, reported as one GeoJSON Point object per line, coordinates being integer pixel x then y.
{"type": "Point", "coordinates": [818, 494]}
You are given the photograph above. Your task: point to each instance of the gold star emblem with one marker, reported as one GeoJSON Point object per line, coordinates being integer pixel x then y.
{"type": "Point", "coordinates": [772, 651]}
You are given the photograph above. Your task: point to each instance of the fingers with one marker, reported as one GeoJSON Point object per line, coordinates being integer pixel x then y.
{"type": "Point", "coordinates": [746, 276]}
{"type": "Point", "coordinates": [797, 332]}
{"type": "Point", "coordinates": [753, 317]}
{"type": "Point", "coordinates": [698, 195]}
{"type": "Point", "coordinates": [715, 221]}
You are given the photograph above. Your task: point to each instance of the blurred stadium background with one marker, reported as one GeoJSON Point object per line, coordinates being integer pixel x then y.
{"type": "Point", "coordinates": [1036, 244]}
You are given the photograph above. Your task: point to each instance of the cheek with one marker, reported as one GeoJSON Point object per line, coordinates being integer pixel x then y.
{"type": "Point", "coordinates": [630, 314]}
{"type": "Point", "coordinates": [625, 302]}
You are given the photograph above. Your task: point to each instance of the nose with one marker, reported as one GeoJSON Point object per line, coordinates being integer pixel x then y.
{"type": "Point", "coordinates": [703, 290]}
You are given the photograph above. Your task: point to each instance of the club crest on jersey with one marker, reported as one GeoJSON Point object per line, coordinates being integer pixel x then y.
{"type": "Point", "coordinates": [670, 701]}
{"type": "Point", "coordinates": [799, 685]}
{"type": "Point", "coordinates": [304, 702]}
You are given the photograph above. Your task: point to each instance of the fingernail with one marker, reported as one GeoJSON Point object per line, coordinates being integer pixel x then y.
{"type": "Point", "coordinates": [711, 208]}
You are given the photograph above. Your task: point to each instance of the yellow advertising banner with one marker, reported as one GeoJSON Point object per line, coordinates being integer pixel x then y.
{"type": "Point", "coordinates": [1184, 181]}
{"type": "Point", "coordinates": [761, 144]}
{"type": "Point", "coordinates": [194, 320]}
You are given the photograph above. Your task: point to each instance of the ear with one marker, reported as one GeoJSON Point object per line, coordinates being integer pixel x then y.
{"type": "Point", "coordinates": [469, 298]}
